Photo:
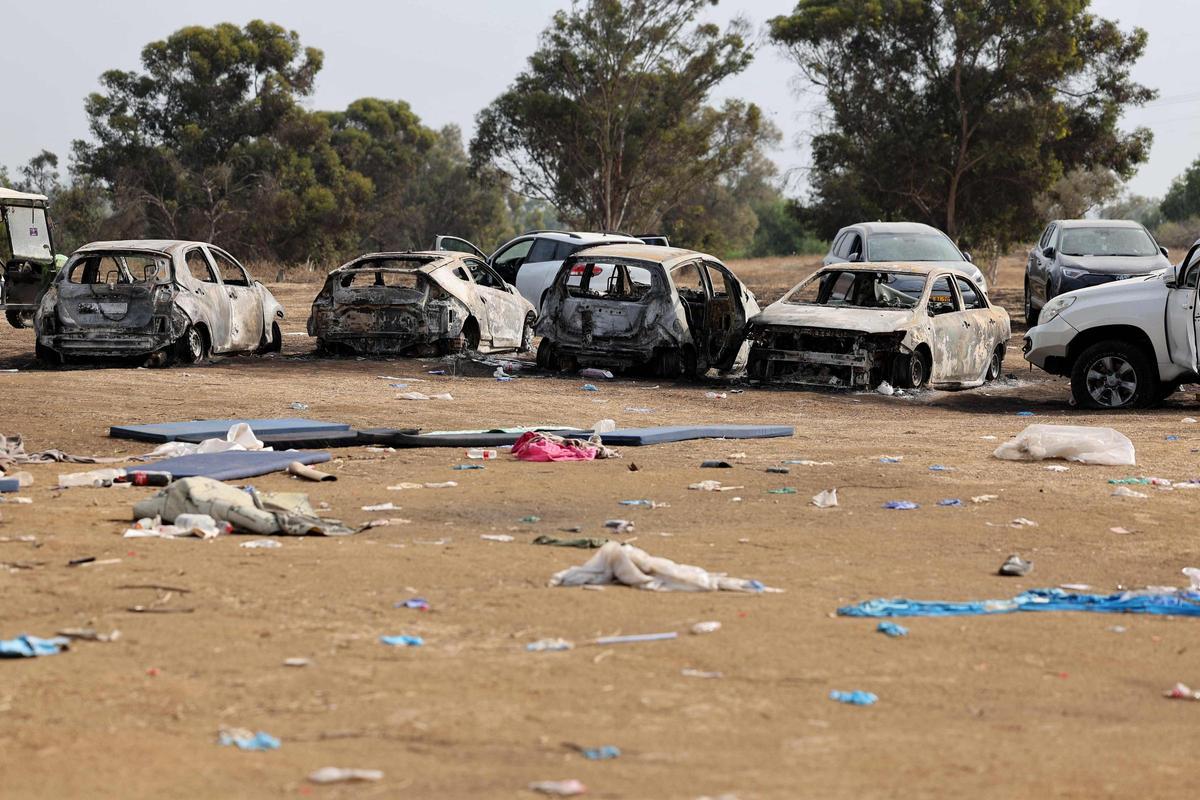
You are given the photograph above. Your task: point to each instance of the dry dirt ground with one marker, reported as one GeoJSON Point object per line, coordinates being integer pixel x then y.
{"type": "Point", "coordinates": [1032, 705]}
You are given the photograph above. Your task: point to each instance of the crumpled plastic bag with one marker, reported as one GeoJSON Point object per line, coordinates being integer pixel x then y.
{"type": "Point", "coordinates": [247, 511]}
{"type": "Point", "coordinates": [238, 437]}
{"type": "Point", "coordinates": [1081, 443]}
{"type": "Point", "coordinates": [631, 566]}
{"type": "Point", "coordinates": [538, 446]}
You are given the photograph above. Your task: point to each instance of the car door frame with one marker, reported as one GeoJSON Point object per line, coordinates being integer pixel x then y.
{"type": "Point", "coordinates": [501, 306]}
{"type": "Point", "coordinates": [730, 348]}
{"type": "Point", "coordinates": [1186, 298]}
{"type": "Point", "coordinates": [440, 240]}
{"type": "Point", "coordinates": [942, 328]}
{"type": "Point", "coordinates": [241, 296]}
{"type": "Point", "coordinates": [214, 307]}
{"type": "Point", "coordinates": [983, 323]}
{"type": "Point", "coordinates": [1040, 285]}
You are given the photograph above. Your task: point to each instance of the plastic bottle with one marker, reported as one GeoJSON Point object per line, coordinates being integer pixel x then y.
{"type": "Point", "coordinates": [486, 455]}
{"type": "Point", "coordinates": [96, 478]}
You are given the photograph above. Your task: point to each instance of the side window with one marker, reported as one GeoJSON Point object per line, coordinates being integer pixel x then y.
{"type": "Point", "coordinates": [232, 273]}
{"type": "Point", "coordinates": [1191, 267]}
{"type": "Point", "coordinates": [512, 256]}
{"type": "Point", "coordinates": [198, 266]}
{"type": "Point", "coordinates": [1042, 242]}
{"type": "Point", "coordinates": [721, 280]}
{"type": "Point", "coordinates": [1050, 231]}
{"type": "Point", "coordinates": [839, 246]}
{"type": "Point", "coordinates": [542, 250]}
{"type": "Point", "coordinates": [461, 274]}
{"type": "Point", "coordinates": [855, 246]}
{"type": "Point", "coordinates": [971, 298]}
{"type": "Point", "coordinates": [689, 281]}
{"type": "Point", "coordinates": [482, 275]}
{"type": "Point", "coordinates": [941, 297]}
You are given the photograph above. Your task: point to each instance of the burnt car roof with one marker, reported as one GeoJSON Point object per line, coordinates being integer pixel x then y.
{"type": "Point", "coordinates": [153, 245]}
{"type": "Point", "coordinates": [667, 256]}
{"type": "Point", "coordinates": [921, 267]}
{"type": "Point", "coordinates": [433, 260]}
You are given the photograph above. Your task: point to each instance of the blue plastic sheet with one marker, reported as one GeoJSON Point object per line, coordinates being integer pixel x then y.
{"type": "Point", "coordinates": [892, 629]}
{"type": "Point", "coordinates": [259, 741]}
{"type": "Point", "coordinates": [32, 646]}
{"type": "Point", "coordinates": [1180, 604]}
{"type": "Point", "coordinates": [901, 505]}
{"type": "Point", "coordinates": [402, 641]}
{"type": "Point", "coordinates": [856, 698]}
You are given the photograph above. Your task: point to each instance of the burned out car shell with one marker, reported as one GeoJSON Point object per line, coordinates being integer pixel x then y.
{"type": "Point", "coordinates": [163, 298]}
{"type": "Point", "coordinates": [623, 306]}
{"type": "Point", "coordinates": [949, 334]}
{"type": "Point", "coordinates": [437, 301]}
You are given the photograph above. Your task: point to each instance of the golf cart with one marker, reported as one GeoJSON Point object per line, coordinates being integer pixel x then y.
{"type": "Point", "coordinates": [27, 262]}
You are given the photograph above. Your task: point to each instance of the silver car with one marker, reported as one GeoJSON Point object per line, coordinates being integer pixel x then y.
{"type": "Point", "coordinates": [908, 242]}
{"type": "Point", "coordinates": [163, 299]}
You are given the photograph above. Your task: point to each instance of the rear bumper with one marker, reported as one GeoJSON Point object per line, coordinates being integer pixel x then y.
{"type": "Point", "coordinates": [106, 343]}
{"type": "Point", "coordinates": [601, 355]}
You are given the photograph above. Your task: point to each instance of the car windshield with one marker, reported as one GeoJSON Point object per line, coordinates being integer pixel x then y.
{"type": "Point", "coordinates": [911, 247]}
{"type": "Point", "coordinates": [859, 289]}
{"type": "Point", "coordinates": [1107, 242]}
{"type": "Point", "coordinates": [97, 268]}
{"type": "Point", "coordinates": [607, 279]}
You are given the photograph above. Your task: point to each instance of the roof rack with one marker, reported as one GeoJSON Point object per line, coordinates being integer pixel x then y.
{"type": "Point", "coordinates": [572, 234]}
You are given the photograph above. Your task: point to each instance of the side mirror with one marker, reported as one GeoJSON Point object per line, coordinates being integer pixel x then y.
{"type": "Point", "coordinates": [1048, 252]}
{"type": "Point", "coordinates": [1166, 253]}
{"type": "Point", "coordinates": [967, 256]}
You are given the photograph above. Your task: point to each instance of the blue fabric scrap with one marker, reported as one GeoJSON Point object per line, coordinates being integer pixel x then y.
{"type": "Point", "coordinates": [402, 641]}
{"type": "Point", "coordinates": [900, 505]}
{"type": "Point", "coordinates": [32, 646]}
{"type": "Point", "coordinates": [601, 753]}
{"type": "Point", "coordinates": [1179, 604]}
{"type": "Point", "coordinates": [856, 698]}
{"type": "Point", "coordinates": [259, 741]}
{"type": "Point", "coordinates": [950, 502]}
{"type": "Point", "coordinates": [892, 629]}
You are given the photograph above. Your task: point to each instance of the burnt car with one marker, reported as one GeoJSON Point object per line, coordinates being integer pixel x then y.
{"type": "Point", "coordinates": [434, 302]}
{"type": "Point", "coordinates": [857, 325]}
{"type": "Point", "coordinates": [630, 305]}
{"type": "Point", "coordinates": [166, 300]}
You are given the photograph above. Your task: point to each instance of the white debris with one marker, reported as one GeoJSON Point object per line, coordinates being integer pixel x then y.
{"type": "Point", "coordinates": [496, 537]}
{"type": "Point", "coordinates": [984, 498]}
{"type": "Point", "coordinates": [1021, 522]}
{"type": "Point", "coordinates": [1188, 420]}
{"type": "Point", "coordinates": [713, 486]}
{"type": "Point", "coordinates": [826, 499]}
{"type": "Point", "coordinates": [631, 566]}
{"type": "Point", "coordinates": [1056, 468]}
{"type": "Point", "coordinates": [710, 626]}
{"type": "Point", "coordinates": [1081, 443]}
{"type": "Point", "coordinates": [382, 506]}
{"type": "Point", "coordinates": [1125, 491]}
{"type": "Point", "coordinates": [885, 388]}
{"type": "Point", "coordinates": [343, 775]}
{"type": "Point", "coordinates": [261, 544]}
{"type": "Point", "coordinates": [420, 396]}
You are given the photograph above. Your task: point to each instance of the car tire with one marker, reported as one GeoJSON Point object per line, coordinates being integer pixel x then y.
{"type": "Point", "coordinates": [527, 334]}
{"type": "Point", "coordinates": [547, 358]}
{"type": "Point", "coordinates": [1112, 375]}
{"type": "Point", "coordinates": [1031, 313]}
{"type": "Point", "coordinates": [995, 364]}
{"type": "Point", "coordinates": [18, 319]}
{"type": "Point", "coordinates": [668, 362]}
{"type": "Point", "coordinates": [275, 343]}
{"type": "Point", "coordinates": [192, 346]}
{"type": "Point", "coordinates": [910, 371]}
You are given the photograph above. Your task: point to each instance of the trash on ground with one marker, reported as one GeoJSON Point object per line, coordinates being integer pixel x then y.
{"type": "Point", "coordinates": [1084, 444]}
{"type": "Point", "coordinates": [1120, 531]}
{"type": "Point", "coordinates": [496, 537]}
{"type": "Point", "coordinates": [619, 525]}
{"type": "Point", "coordinates": [804, 462]}
{"type": "Point", "coordinates": [344, 775]}
{"type": "Point", "coordinates": [400, 487]}
{"type": "Point", "coordinates": [697, 673]}
{"type": "Point", "coordinates": [1021, 522]}
{"type": "Point", "coordinates": [464, 467]}
{"type": "Point", "coordinates": [423, 396]}
{"type": "Point", "coordinates": [549, 645]}
{"type": "Point", "coordinates": [1125, 491]}
{"type": "Point", "coordinates": [482, 453]}
{"type": "Point", "coordinates": [402, 641]}
{"type": "Point", "coordinates": [891, 629]}
{"type": "Point", "coordinates": [984, 498]}
{"type": "Point", "coordinates": [780, 490]}
{"type": "Point", "coordinates": [710, 626]}
{"type": "Point", "coordinates": [583, 543]}
{"type": "Point", "coordinates": [247, 740]}
{"type": "Point", "coordinates": [941, 468]}
{"type": "Point", "coordinates": [1015, 566]}
{"type": "Point", "coordinates": [778, 470]}
{"type": "Point", "coordinates": [308, 473]}
{"type": "Point", "coordinates": [558, 788]}
{"type": "Point", "coordinates": [1181, 691]}
{"type": "Point", "coordinates": [12, 453]}
{"type": "Point", "coordinates": [248, 510]}
{"type": "Point", "coordinates": [890, 459]}
{"type": "Point", "coordinates": [33, 646]}
{"type": "Point", "coordinates": [855, 698]}
{"type": "Point", "coordinates": [96, 478]}
{"type": "Point", "coordinates": [631, 566]}
{"type": "Point", "coordinates": [713, 486]}
{"type": "Point", "coordinates": [826, 499]}
{"type": "Point", "coordinates": [299, 406]}
{"type": "Point", "coordinates": [885, 388]}
{"type": "Point", "coordinates": [715, 395]}
{"type": "Point", "coordinates": [1056, 468]}
{"type": "Point", "coordinates": [90, 634]}
{"type": "Point", "coordinates": [261, 544]}
{"type": "Point", "coordinates": [201, 526]}
{"type": "Point", "coordinates": [530, 519]}
{"type": "Point", "coordinates": [901, 505]}
{"type": "Point", "coordinates": [588, 387]}
{"type": "Point", "coordinates": [636, 638]}
{"type": "Point", "coordinates": [602, 753]}
{"type": "Point", "coordinates": [716, 465]}
{"type": "Point", "coordinates": [950, 502]}
{"type": "Point", "coordinates": [382, 507]}
{"type": "Point", "coordinates": [416, 603]}
{"type": "Point", "coordinates": [538, 446]}
{"type": "Point", "coordinates": [592, 372]}
{"type": "Point", "coordinates": [643, 503]}
{"type": "Point", "coordinates": [296, 661]}
{"type": "Point", "coordinates": [1156, 600]}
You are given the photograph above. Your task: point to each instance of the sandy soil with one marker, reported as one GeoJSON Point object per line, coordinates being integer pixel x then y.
{"type": "Point", "coordinates": [1046, 705]}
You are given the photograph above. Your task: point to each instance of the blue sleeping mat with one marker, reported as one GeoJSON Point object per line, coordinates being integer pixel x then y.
{"type": "Point", "coordinates": [217, 428]}
{"type": "Point", "coordinates": [634, 437]}
{"type": "Point", "coordinates": [234, 464]}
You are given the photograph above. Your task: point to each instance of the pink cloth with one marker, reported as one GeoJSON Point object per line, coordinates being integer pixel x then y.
{"type": "Point", "coordinates": [534, 446]}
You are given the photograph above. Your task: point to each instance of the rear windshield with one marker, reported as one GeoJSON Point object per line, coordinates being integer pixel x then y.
{"type": "Point", "coordinates": [359, 279]}
{"type": "Point", "coordinates": [911, 247]}
{"type": "Point", "coordinates": [1107, 242]}
{"type": "Point", "coordinates": [97, 268]}
{"type": "Point", "coordinates": [608, 279]}
{"type": "Point", "coordinates": [859, 289]}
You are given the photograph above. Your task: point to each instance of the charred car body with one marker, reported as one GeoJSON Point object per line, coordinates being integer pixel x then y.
{"type": "Point", "coordinates": [435, 301]}
{"type": "Point", "coordinates": [27, 259]}
{"type": "Point", "coordinates": [855, 326]}
{"type": "Point", "coordinates": [169, 300]}
{"type": "Point", "coordinates": [665, 308]}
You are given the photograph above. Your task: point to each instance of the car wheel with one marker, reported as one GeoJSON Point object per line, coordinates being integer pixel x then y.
{"type": "Point", "coordinates": [1113, 374]}
{"type": "Point", "coordinates": [1031, 313]}
{"type": "Point", "coordinates": [18, 319]}
{"type": "Point", "coordinates": [911, 371]}
{"type": "Point", "coordinates": [527, 334]}
{"type": "Point", "coordinates": [275, 343]}
{"type": "Point", "coordinates": [690, 362]}
{"type": "Point", "coordinates": [191, 347]}
{"type": "Point", "coordinates": [668, 363]}
{"type": "Point", "coordinates": [995, 364]}
{"type": "Point", "coordinates": [547, 359]}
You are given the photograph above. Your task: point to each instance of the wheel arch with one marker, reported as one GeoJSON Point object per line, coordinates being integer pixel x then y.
{"type": "Point", "coordinates": [1129, 334]}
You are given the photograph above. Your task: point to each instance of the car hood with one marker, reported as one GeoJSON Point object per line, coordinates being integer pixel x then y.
{"type": "Point", "coordinates": [1116, 265]}
{"type": "Point", "coordinates": [1119, 301]}
{"type": "Point", "coordinates": [867, 320]}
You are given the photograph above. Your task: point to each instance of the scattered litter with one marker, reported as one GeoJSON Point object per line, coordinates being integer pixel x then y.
{"type": "Point", "coordinates": [713, 486]}
{"type": "Point", "coordinates": [479, 453]}
{"type": "Point", "coordinates": [715, 395]}
{"type": "Point", "coordinates": [984, 498]}
{"type": "Point", "coordinates": [549, 646]}
{"type": "Point", "coordinates": [716, 465]}
{"type": "Point", "coordinates": [1158, 600]}
{"type": "Point", "coordinates": [711, 626]}
{"type": "Point", "coordinates": [603, 753]}
{"type": "Point", "coordinates": [538, 446]}
{"type": "Point", "coordinates": [558, 788]}
{"type": "Point", "coordinates": [892, 629]}
{"type": "Point", "coordinates": [464, 467]}
{"type": "Point", "coordinates": [1025, 414]}
{"type": "Point", "coordinates": [1120, 531]}
{"type": "Point", "coordinates": [589, 387]}
{"type": "Point", "coordinates": [264, 513]}
{"type": "Point", "coordinates": [592, 372]}
{"type": "Point", "coordinates": [530, 519]}
{"type": "Point", "coordinates": [496, 537]}
{"type": "Point", "coordinates": [1172, 438]}
{"type": "Point", "coordinates": [585, 543]}
{"type": "Point", "coordinates": [826, 499]}
{"type": "Point", "coordinates": [644, 503]}
{"type": "Point", "coordinates": [636, 638]}
{"type": "Point", "coordinates": [804, 462]}
{"type": "Point", "coordinates": [96, 478]}
{"type": "Point", "coordinates": [1015, 566]}
{"type": "Point", "coordinates": [780, 490]}
{"type": "Point", "coordinates": [950, 502]}
{"type": "Point", "coordinates": [1081, 443]}
{"type": "Point", "coordinates": [1075, 587]}
{"type": "Point", "coordinates": [436, 372]}
{"type": "Point", "coordinates": [1056, 468]}
{"type": "Point", "coordinates": [890, 459]}
{"type": "Point", "coordinates": [1125, 491]}
{"type": "Point", "coordinates": [778, 470]}
{"type": "Point", "coordinates": [402, 641]}
{"type": "Point", "coordinates": [308, 473]}
{"type": "Point", "coordinates": [855, 698]}
{"type": "Point", "coordinates": [400, 487]}
{"type": "Point", "coordinates": [619, 525]}
{"type": "Point", "coordinates": [32, 646]}
{"type": "Point", "coordinates": [343, 775]}
{"type": "Point", "coordinates": [261, 544]}
{"type": "Point", "coordinates": [885, 388]}
{"type": "Point", "coordinates": [296, 662]}
{"type": "Point", "coordinates": [989, 438]}
{"type": "Point", "coordinates": [901, 505]}
{"type": "Point", "coordinates": [90, 634]}
{"type": "Point", "coordinates": [248, 740]}
{"type": "Point", "coordinates": [696, 673]}
{"type": "Point", "coordinates": [417, 603]}
{"type": "Point", "coordinates": [501, 375]}
{"type": "Point", "coordinates": [201, 526]}
{"type": "Point", "coordinates": [941, 468]}
{"type": "Point", "coordinates": [1181, 691]}
{"type": "Point", "coordinates": [299, 406]}
{"type": "Point", "coordinates": [1188, 420]}
{"type": "Point", "coordinates": [629, 565]}
{"type": "Point", "coordinates": [421, 396]}
{"type": "Point", "coordinates": [1021, 522]}
{"type": "Point", "coordinates": [382, 506]}
{"type": "Point", "coordinates": [635, 410]}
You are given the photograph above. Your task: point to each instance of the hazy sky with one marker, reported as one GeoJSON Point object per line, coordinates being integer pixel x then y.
{"type": "Point", "coordinates": [449, 58]}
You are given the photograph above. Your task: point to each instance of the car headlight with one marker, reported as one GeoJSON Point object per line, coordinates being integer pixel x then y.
{"type": "Point", "coordinates": [1055, 307]}
{"type": "Point", "coordinates": [1070, 272]}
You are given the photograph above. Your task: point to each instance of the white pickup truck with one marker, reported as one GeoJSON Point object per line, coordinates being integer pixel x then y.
{"type": "Point", "coordinates": [1127, 344]}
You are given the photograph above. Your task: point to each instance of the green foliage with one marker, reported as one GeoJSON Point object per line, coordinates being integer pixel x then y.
{"type": "Point", "coordinates": [1146, 210]}
{"type": "Point", "coordinates": [961, 113]}
{"type": "Point", "coordinates": [1182, 200]}
{"type": "Point", "coordinates": [609, 122]}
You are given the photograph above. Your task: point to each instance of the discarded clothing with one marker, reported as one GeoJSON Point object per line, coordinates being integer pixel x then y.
{"type": "Point", "coordinates": [238, 437]}
{"type": "Point", "coordinates": [1081, 443]}
{"type": "Point", "coordinates": [583, 543]}
{"type": "Point", "coordinates": [538, 446]}
{"type": "Point", "coordinates": [247, 511]}
{"type": "Point", "coordinates": [32, 646]}
{"type": "Point", "coordinates": [12, 453]}
{"type": "Point", "coordinates": [246, 740]}
{"type": "Point", "coordinates": [631, 566]}
{"type": "Point", "coordinates": [892, 629]}
{"type": "Point", "coordinates": [1175, 603]}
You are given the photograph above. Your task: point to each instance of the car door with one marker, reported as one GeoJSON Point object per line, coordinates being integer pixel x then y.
{"type": "Point", "coordinates": [832, 256]}
{"type": "Point", "coordinates": [505, 313]}
{"type": "Point", "coordinates": [532, 273]}
{"type": "Point", "coordinates": [214, 306]}
{"type": "Point", "coordinates": [982, 330]}
{"type": "Point", "coordinates": [1039, 284]}
{"type": "Point", "coordinates": [727, 315]}
{"type": "Point", "coordinates": [947, 328]}
{"type": "Point", "coordinates": [1183, 317]}
{"type": "Point", "coordinates": [245, 303]}
{"type": "Point", "coordinates": [456, 244]}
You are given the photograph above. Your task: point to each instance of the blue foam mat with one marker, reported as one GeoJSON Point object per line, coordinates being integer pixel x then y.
{"type": "Point", "coordinates": [217, 428]}
{"type": "Point", "coordinates": [234, 464]}
{"type": "Point", "coordinates": [633, 437]}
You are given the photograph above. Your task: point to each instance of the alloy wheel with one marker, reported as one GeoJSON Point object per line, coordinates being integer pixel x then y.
{"type": "Point", "coordinates": [1111, 381]}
